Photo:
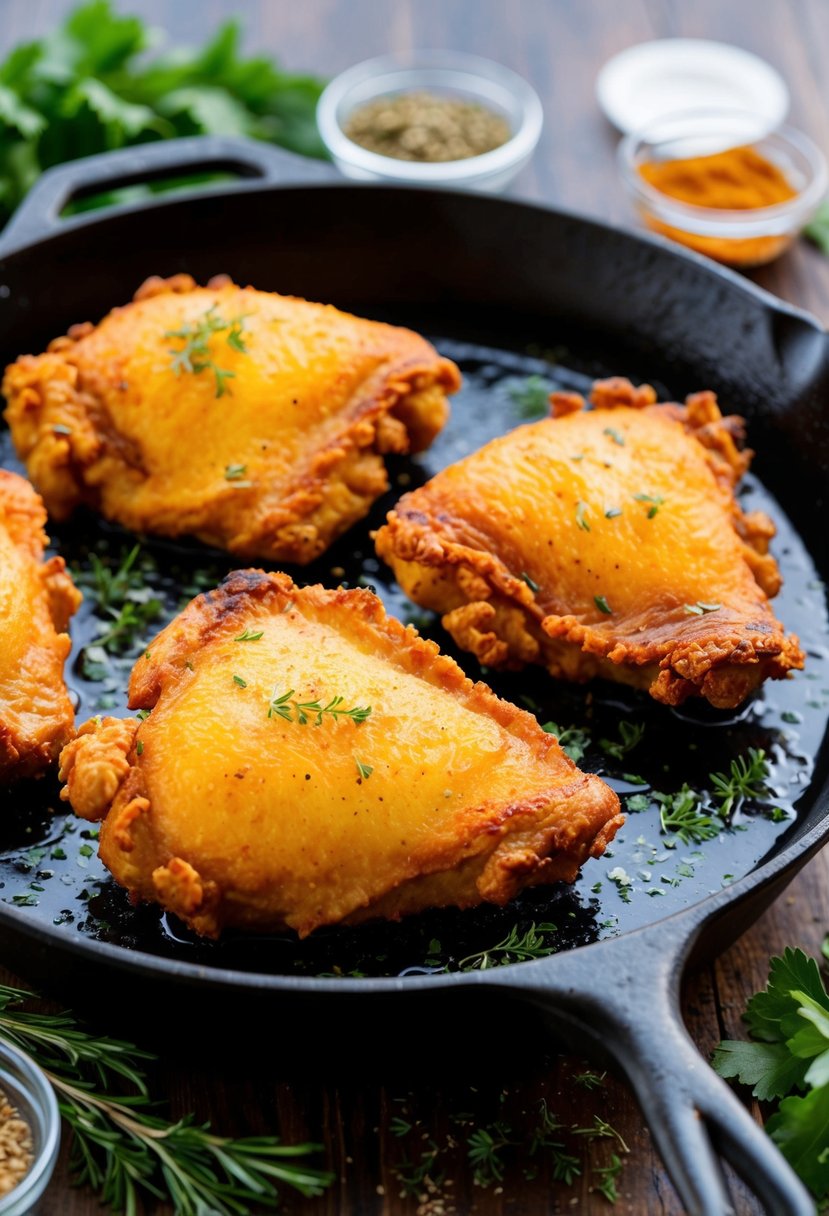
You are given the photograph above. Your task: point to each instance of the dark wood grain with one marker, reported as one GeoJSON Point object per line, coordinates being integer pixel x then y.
{"type": "Point", "coordinates": [559, 45]}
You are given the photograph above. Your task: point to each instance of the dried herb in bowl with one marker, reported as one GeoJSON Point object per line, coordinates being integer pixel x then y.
{"type": "Point", "coordinates": [423, 126]}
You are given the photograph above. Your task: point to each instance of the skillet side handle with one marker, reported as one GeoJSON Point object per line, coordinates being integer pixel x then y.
{"type": "Point", "coordinates": [40, 212]}
{"type": "Point", "coordinates": [620, 998]}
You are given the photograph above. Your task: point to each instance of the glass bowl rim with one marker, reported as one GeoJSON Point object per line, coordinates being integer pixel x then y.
{"type": "Point", "coordinates": [31, 1078]}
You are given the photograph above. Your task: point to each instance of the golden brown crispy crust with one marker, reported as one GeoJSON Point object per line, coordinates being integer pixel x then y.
{"type": "Point", "coordinates": [316, 401]}
{"type": "Point", "coordinates": [462, 545]}
{"type": "Point", "coordinates": [37, 598]}
{"type": "Point", "coordinates": [358, 847]}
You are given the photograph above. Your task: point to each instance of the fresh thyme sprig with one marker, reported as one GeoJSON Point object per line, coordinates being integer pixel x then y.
{"type": "Point", "coordinates": [121, 599]}
{"type": "Point", "coordinates": [745, 779]}
{"type": "Point", "coordinates": [284, 706]}
{"type": "Point", "coordinates": [516, 947]}
{"type": "Point", "coordinates": [195, 355]}
{"type": "Point", "coordinates": [123, 1149]}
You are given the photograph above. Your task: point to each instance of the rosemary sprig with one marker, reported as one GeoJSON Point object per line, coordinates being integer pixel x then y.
{"type": "Point", "coordinates": [516, 947]}
{"type": "Point", "coordinates": [194, 356]}
{"type": "Point", "coordinates": [681, 814]}
{"type": "Point", "coordinates": [745, 779]}
{"type": "Point", "coordinates": [286, 707]}
{"type": "Point", "coordinates": [122, 1149]}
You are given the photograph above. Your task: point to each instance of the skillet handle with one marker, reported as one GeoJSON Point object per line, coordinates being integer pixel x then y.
{"type": "Point", "coordinates": [620, 998]}
{"type": "Point", "coordinates": [39, 214]}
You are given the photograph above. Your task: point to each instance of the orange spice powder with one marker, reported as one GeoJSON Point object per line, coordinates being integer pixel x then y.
{"type": "Point", "coordinates": [736, 180]}
{"type": "Point", "coordinates": [739, 179]}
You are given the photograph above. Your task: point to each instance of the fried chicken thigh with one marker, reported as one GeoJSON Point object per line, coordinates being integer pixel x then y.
{"type": "Point", "coordinates": [254, 421]}
{"type": "Point", "coordinates": [37, 599]}
{"type": "Point", "coordinates": [602, 542]}
{"type": "Point", "coordinates": [309, 761]}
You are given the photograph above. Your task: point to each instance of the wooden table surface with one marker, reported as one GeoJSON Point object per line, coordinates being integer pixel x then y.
{"type": "Point", "coordinates": [559, 46]}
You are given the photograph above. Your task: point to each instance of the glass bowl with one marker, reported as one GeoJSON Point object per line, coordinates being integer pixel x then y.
{"type": "Point", "coordinates": [27, 1088]}
{"type": "Point", "coordinates": [446, 73]}
{"type": "Point", "coordinates": [749, 237]}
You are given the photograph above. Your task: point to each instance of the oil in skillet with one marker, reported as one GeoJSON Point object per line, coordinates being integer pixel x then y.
{"type": "Point", "coordinates": [48, 860]}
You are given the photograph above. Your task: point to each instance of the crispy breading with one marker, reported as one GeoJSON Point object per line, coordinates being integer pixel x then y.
{"type": "Point", "coordinates": [603, 542]}
{"type": "Point", "coordinates": [37, 599]}
{"type": "Point", "coordinates": [227, 814]}
{"type": "Point", "coordinates": [287, 458]}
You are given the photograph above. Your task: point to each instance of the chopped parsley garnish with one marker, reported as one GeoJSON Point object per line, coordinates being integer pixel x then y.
{"type": "Point", "coordinates": [581, 508]}
{"type": "Point", "coordinates": [238, 680]}
{"type": "Point", "coordinates": [630, 734]}
{"type": "Point", "coordinates": [249, 636]}
{"type": "Point", "coordinates": [139, 748]}
{"type": "Point", "coordinates": [531, 583]}
{"type": "Point", "coordinates": [699, 608]}
{"type": "Point", "coordinates": [194, 356]}
{"type": "Point", "coordinates": [615, 435]}
{"type": "Point", "coordinates": [234, 472]}
{"type": "Point", "coordinates": [365, 770]}
{"type": "Point", "coordinates": [602, 604]}
{"type": "Point", "coordinates": [124, 603]}
{"type": "Point", "coordinates": [613, 512]}
{"type": "Point", "coordinates": [571, 739]}
{"type": "Point", "coordinates": [286, 707]}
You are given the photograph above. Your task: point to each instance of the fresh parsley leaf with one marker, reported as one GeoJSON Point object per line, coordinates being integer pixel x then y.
{"type": "Point", "coordinates": [602, 604]}
{"type": "Point", "coordinates": [573, 740]}
{"type": "Point", "coordinates": [800, 1129]}
{"type": "Point", "coordinates": [630, 732]}
{"type": "Point", "coordinates": [365, 770]}
{"type": "Point", "coordinates": [817, 230]}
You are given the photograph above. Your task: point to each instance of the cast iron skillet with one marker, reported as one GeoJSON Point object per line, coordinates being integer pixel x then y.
{"type": "Point", "coordinates": [473, 266]}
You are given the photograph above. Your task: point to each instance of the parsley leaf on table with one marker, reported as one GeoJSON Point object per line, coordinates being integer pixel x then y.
{"type": "Point", "coordinates": [89, 86]}
{"type": "Point", "coordinates": [789, 1023]}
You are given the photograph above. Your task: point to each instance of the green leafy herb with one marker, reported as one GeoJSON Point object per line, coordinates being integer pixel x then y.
{"type": "Point", "coordinates": [581, 508]}
{"type": "Point", "coordinates": [615, 435]}
{"type": "Point", "coordinates": [573, 740]}
{"type": "Point", "coordinates": [414, 1175]}
{"type": "Point", "coordinates": [235, 472]}
{"type": "Point", "coordinates": [194, 356]}
{"type": "Point", "coordinates": [238, 680]}
{"type": "Point", "coordinates": [589, 1080]}
{"type": "Point", "coordinates": [566, 1167]}
{"type": "Point", "coordinates": [139, 748]}
{"type": "Point", "coordinates": [613, 513]}
{"type": "Point", "coordinates": [532, 397]}
{"type": "Point", "coordinates": [123, 1149]}
{"type": "Point", "coordinates": [89, 86]}
{"type": "Point", "coordinates": [681, 814]}
{"type": "Point", "coordinates": [817, 230]}
{"type": "Point", "coordinates": [699, 608]}
{"type": "Point", "coordinates": [745, 780]}
{"type": "Point", "coordinates": [124, 603]}
{"type": "Point", "coordinates": [516, 947]}
{"type": "Point", "coordinates": [789, 1025]}
{"type": "Point", "coordinates": [630, 734]}
{"type": "Point", "coordinates": [531, 583]}
{"type": "Point", "coordinates": [602, 604]}
{"type": "Point", "coordinates": [284, 706]}
{"type": "Point", "coordinates": [655, 502]}
{"type": "Point", "coordinates": [365, 770]}
{"type": "Point", "coordinates": [249, 635]}
{"type": "Point", "coordinates": [484, 1149]}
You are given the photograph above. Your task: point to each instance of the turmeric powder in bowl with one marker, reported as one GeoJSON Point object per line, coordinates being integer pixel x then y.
{"type": "Point", "coordinates": [741, 201]}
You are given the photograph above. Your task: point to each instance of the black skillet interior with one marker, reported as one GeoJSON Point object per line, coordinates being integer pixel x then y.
{"type": "Point", "coordinates": [509, 291]}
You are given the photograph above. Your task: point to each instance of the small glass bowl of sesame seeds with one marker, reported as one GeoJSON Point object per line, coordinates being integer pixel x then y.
{"type": "Point", "coordinates": [29, 1132]}
{"type": "Point", "coordinates": [438, 118]}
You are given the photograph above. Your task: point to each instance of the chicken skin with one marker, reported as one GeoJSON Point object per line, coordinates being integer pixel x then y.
{"type": "Point", "coordinates": [37, 599]}
{"type": "Point", "coordinates": [603, 542]}
{"type": "Point", "coordinates": [254, 421]}
{"type": "Point", "coordinates": [308, 760]}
